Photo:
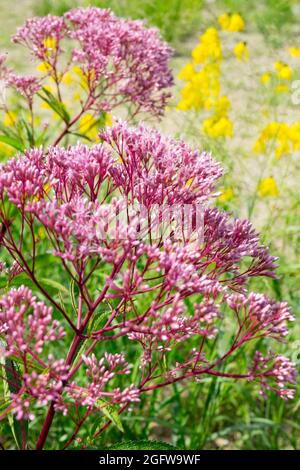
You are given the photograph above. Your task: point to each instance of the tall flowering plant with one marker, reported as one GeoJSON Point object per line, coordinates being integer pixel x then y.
{"type": "Point", "coordinates": [112, 256]}
{"type": "Point", "coordinates": [166, 295]}
{"type": "Point", "coordinates": [89, 64]}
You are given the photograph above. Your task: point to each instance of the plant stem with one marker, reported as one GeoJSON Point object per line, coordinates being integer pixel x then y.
{"type": "Point", "coordinates": [46, 427]}
{"type": "Point", "coordinates": [51, 411]}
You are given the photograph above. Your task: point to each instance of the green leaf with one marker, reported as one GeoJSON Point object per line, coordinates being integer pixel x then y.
{"type": "Point", "coordinates": [11, 384]}
{"type": "Point", "coordinates": [54, 104]}
{"type": "Point", "coordinates": [141, 445]}
{"type": "Point", "coordinates": [72, 294]}
{"type": "Point", "coordinates": [97, 320]}
{"type": "Point", "coordinates": [110, 411]}
{"type": "Point", "coordinates": [55, 285]}
{"type": "Point", "coordinates": [22, 279]}
{"type": "Point", "coordinates": [82, 136]}
{"type": "Point", "coordinates": [12, 142]}
{"type": "Point", "coordinates": [29, 134]}
{"type": "Point", "coordinates": [8, 131]}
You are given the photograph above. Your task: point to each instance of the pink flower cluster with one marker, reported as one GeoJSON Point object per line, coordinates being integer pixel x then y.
{"type": "Point", "coordinates": [277, 369]}
{"type": "Point", "coordinates": [26, 323]}
{"type": "Point", "coordinates": [159, 292]}
{"type": "Point", "coordinates": [28, 86]}
{"type": "Point", "coordinates": [100, 373]}
{"type": "Point", "coordinates": [122, 61]}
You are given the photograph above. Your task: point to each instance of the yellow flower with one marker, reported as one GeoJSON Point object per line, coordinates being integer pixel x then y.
{"type": "Point", "coordinates": [227, 194]}
{"type": "Point", "coordinates": [199, 54]}
{"type": "Point", "coordinates": [283, 147]}
{"type": "Point", "coordinates": [6, 150]}
{"type": "Point", "coordinates": [45, 105]}
{"type": "Point", "coordinates": [265, 78]}
{"type": "Point", "coordinates": [259, 146]}
{"type": "Point", "coordinates": [284, 71]}
{"type": "Point", "coordinates": [202, 90]}
{"type": "Point", "coordinates": [43, 67]}
{"type": "Point", "coordinates": [10, 119]}
{"type": "Point", "coordinates": [282, 88]}
{"type": "Point", "coordinates": [67, 78]}
{"type": "Point", "coordinates": [232, 23]}
{"type": "Point", "coordinates": [224, 21]}
{"type": "Point", "coordinates": [274, 133]}
{"type": "Point", "coordinates": [222, 106]}
{"type": "Point", "coordinates": [294, 135]}
{"type": "Point", "coordinates": [77, 96]}
{"type": "Point", "coordinates": [86, 122]}
{"type": "Point", "coordinates": [88, 126]}
{"type": "Point", "coordinates": [268, 187]}
{"type": "Point", "coordinates": [236, 23]}
{"type": "Point", "coordinates": [294, 52]}
{"type": "Point", "coordinates": [84, 78]}
{"type": "Point", "coordinates": [218, 127]}
{"type": "Point", "coordinates": [187, 73]}
{"type": "Point", "coordinates": [50, 43]}
{"type": "Point", "coordinates": [241, 51]}
{"type": "Point", "coordinates": [50, 88]}
{"type": "Point", "coordinates": [209, 47]}
{"type": "Point", "coordinates": [108, 120]}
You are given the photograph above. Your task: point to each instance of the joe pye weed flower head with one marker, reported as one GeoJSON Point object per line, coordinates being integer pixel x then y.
{"type": "Point", "coordinates": [156, 293]}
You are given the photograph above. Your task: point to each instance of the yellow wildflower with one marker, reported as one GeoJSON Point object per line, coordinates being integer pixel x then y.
{"type": "Point", "coordinates": [294, 135]}
{"type": "Point", "coordinates": [282, 88]}
{"type": "Point", "coordinates": [84, 78]}
{"type": "Point", "coordinates": [50, 43]}
{"type": "Point", "coordinates": [10, 119]}
{"type": "Point", "coordinates": [224, 21]}
{"type": "Point", "coordinates": [222, 106]}
{"type": "Point", "coordinates": [236, 23]}
{"type": "Point", "coordinates": [187, 73]}
{"type": "Point", "coordinates": [86, 122]}
{"type": "Point", "coordinates": [108, 120]}
{"type": "Point", "coordinates": [201, 90]}
{"type": "Point", "coordinates": [265, 78]}
{"type": "Point", "coordinates": [88, 127]}
{"type": "Point", "coordinates": [259, 146]}
{"type": "Point", "coordinates": [218, 127]}
{"type": "Point", "coordinates": [50, 88]}
{"type": "Point", "coordinates": [241, 51]}
{"type": "Point", "coordinates": [277, 134]}
{"type": "Point", "coordinates": [209, 47]}
{"type": "Point", "coordinates": [227, 194]}
{"type": "Point", "coordinates": [44, 67]}
{"type": "Point", "coordinates": [67, 78]}
{"type": "Point", "coordinates": [232, 23]}
{"type": "Point", "coordinates": [268, 187]}
{"type": "Point", "coordinates": [77, 96]}
{"type": "Point", "coordinates": [283, 147]}
{"type": "Point", "coordinates": [294, 52]}
{"type": "Point", "coordinates": [284, 71]}
{"type": "Point", "coordinates": [6, 150]}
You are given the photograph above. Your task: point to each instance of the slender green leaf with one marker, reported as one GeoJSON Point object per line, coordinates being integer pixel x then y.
{"type": "Point", "coordinates": [12, 142]}
{"type": "Point", "coordinates": [55, 285]}
{"type": "Point", "coordinates": [11, 384]}
{"type": "Point", "coordinates": [54, 104]}
{"type": "Point", "coordinates": [110, 411]}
